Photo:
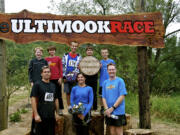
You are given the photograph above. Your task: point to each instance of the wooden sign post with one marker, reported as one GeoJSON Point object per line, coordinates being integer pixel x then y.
{"type": "Point", "coordinates": [143, 81]}
{"type": "Point", "coordinates": [3, 96]}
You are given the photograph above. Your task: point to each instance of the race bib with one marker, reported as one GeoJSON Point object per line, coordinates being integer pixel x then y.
{"type": "Point", "coordinates": [49, 97]}
{"type": "Point", "coordinates": [72, 63]}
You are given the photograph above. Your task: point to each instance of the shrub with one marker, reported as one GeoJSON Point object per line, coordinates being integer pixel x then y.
{"type": "Point", "coordinates": [15, 117]}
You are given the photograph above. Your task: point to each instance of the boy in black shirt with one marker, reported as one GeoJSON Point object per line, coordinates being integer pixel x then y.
{"type": "Point", "coordinates": [45, 105]}
{"type": "Point", "coordinates": [92, 80]}
{"type": "Point", "coordinates": [35, 66]}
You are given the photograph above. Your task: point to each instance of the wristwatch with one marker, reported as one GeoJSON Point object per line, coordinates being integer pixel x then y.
{"type": "Point", "coordinates": [113, 107]}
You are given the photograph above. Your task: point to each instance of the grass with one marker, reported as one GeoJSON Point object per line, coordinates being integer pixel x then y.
{"type": "Point", "coordinates": [21, 94]}
{"type": "Point", "coordinates": [164, 107]}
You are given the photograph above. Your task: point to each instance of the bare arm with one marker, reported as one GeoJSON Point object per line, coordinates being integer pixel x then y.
{"type": "Point", "coordinates": [104, 103]}
{"type": "Point", "coordinates": [118, 101]}
{"type": "Point", "coordinates": [34, 109]}
{"type": "Point", "coordinates": [57, 106]}
{"type": "Point", "coordinates": [108, 111]}
{"type": "Point", "coordinates": [57, 109]}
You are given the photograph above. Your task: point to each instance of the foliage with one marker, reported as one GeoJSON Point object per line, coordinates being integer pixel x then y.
{"type": "Point", "coordinates": [23, 110]}
{"type": "Point", "coordinates": [90, 7]}
{"type": "Point", "coordinates": [164, 73]}
{"type": "Point", "coordinates": [15, 117]}
{"type": "Point", "coordinates": [166, 107]}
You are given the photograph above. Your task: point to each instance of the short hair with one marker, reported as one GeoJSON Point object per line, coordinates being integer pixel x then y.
{"type": "Point", "coordinates": [52, 47]}
{"type": "Point", "coordinates": [80, 73]}
{"type": "Point", "coordinates": [38, 48]}
{"type": "Point", "coordinates": [111, 64]}
{"type": "Point", "coordinates": [104, 49]}
{"type": "Point", "coordinates": [45, 67]}
{"type": "Point", "coordinates": [74, 42]}
{"type": "Point", "coordinates": [89, 47]}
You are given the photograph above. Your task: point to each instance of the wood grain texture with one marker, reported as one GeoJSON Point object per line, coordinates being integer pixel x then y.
{"type": "Point", "coordinates": [155, 40]}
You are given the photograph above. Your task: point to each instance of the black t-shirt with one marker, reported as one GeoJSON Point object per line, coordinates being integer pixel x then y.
{"type": "Point", "coordinates": [46, 95]}
{"type": "Point", "coordinates": [34, 70]}
{"type": "Point", "coordinates": [91, 78]}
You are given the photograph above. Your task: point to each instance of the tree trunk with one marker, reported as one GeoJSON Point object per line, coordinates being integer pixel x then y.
{"type": "Point", "coordinates": [3, 96]}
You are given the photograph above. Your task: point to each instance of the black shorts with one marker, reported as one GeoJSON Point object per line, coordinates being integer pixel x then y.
{"type": "Point", "coordinates": [121, 121]}
{"type": "Point", "coordinates": [46, 127]}
{"type": "Point", "coordinates": [100, 91]}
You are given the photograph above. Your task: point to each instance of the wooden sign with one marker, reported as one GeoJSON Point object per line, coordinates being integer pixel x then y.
{"type": "Point", "coordinates": [141, 29]}
{"type": "Point", "coordinates": [89, 65]}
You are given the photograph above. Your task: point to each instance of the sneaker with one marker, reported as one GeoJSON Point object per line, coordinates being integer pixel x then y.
{"type": "Point", "coordinates": [60, 112]}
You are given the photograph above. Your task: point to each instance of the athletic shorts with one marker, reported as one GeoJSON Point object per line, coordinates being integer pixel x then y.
{"type": "Point", "coordinates": [121, 121]}
{"type": "Point", "coordinates": [68, 87]}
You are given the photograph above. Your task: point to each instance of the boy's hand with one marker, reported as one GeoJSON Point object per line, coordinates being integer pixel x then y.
{"type": "Point", "coordinates": [81, 116]}
{"type": "Point", "coordinates": [60, 81]}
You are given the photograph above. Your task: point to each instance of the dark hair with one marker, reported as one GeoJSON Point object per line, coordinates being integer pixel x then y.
{"type": "Point", "coordinates": [89, 47]}
{"type": "Point", "coordinates": [51, 48]}
{"type": "Point", "coordinates": [80, 73]}
{"type": "Point", "coordinates": [44, 67]}
{"type": "Point", "coordinates": [111, 64]}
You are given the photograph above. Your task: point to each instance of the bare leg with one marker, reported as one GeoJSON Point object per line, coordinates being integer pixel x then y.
{"type": "Point", "coordinates": [119, 130]}
{"type": "Point", "coordinates": [112, 130]}
{"type": "Point", "coordinates": [68, 99]}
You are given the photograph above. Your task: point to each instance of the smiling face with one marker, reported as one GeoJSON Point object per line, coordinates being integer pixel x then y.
{"type": "Point", "coordinates": [81, 79]}
{"type": "Point", "coordinates": [112, 71]}
{"type": "Point", "coordinates": [104, 53]}
{"type": "Point", "coordinates": [74, 47]}
{"type": "Point", "coordinates": [38, 53]}
{"type": "Point", "coordinates": [52, 52]}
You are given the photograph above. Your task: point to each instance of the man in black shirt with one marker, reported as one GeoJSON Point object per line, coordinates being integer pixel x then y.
{"type": "Point", "coordinates": [45, 105]}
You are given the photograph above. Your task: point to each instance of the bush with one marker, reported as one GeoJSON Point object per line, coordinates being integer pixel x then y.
{"type": "Point", "coordinates": [15, 117]}
{"type": "Point", "coordinates": [166, 107]}
{"type": "Point", "coordinates": [23, 110]}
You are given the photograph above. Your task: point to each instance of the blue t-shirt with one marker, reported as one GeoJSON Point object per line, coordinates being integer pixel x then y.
{"type": "Point", "coordinates": [103, 71]}
{"type": "Point", "coordinates": [111, 91]}
{"type": "Point", "coordinates": [83, 95]}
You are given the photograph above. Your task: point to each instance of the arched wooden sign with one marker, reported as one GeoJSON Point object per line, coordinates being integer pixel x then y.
{"type": "Point", "coordinates": [141, 29]}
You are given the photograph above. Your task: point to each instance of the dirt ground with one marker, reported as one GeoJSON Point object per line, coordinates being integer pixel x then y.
{"type": "Point", "coordinates": [160, 128]}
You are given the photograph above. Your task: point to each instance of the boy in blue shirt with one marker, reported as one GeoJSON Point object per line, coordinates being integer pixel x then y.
{"type": "Point", "coordinates": [103, 71]}
{"type": "Point", "coordinates": [113, 95]}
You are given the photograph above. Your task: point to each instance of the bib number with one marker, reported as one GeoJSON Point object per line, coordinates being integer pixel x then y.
{"type": "Point", "coordinates": [49, 97]}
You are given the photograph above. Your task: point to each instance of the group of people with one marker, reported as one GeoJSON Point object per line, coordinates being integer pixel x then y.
{"type": "Point", "coordinates": [46, 76]}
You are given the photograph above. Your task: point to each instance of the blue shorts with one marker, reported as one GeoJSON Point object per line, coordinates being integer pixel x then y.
{"type": "Point", "coordinates": [68, 87]}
